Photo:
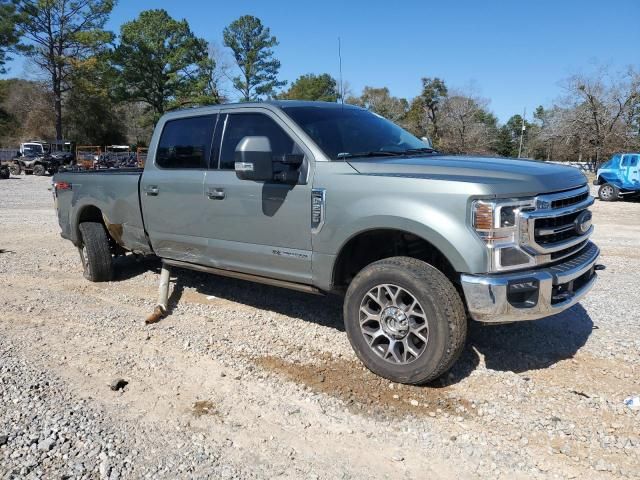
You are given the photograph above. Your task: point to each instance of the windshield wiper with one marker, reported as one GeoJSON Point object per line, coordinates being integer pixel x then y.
{"type": "Point", "coordinates": [419, 150]}
{"type": "Point", "coordinates": [370, 154]}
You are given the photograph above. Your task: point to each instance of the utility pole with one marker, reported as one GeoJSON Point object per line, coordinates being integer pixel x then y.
{"type": "Point", "coordinates": [340, 59]}
{"type": "Point", "coordinates": [524, 114]}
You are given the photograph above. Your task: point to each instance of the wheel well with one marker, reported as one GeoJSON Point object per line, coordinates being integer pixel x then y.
{"type": "Point", "coordinates": [94, 214]}
{"type": "Point", "coordinates": [373, 245]}
{"type": "Point", "coordinates": [88, 214]}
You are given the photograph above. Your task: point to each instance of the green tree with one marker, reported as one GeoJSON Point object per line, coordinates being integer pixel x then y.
{"type": "Point", "coordinates": [163, 64]}
{"type": "Point", "coordinates": [60, 35]}
{"type": "Point", "coordinates": [8, 31]}
{"type": "Point", "coordinates": [312, 87]}
{"type": "Point", "coordinates": [93, 116]}
{"type": "Point", "coordinates": [508, 136]}
{"type": "Point", "coordinates": [434, 91]}
{"type": "Point", "coordinates": [252, 44]}
{"type": "Point", "coordinates": [505, 145]}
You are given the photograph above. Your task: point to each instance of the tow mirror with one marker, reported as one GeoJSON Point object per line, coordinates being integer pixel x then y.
{"type": "Point", "coordinates": [253, 159]}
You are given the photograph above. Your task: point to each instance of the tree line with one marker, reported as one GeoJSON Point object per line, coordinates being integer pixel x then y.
{"type": "Point", "coordinates": [101, 88]}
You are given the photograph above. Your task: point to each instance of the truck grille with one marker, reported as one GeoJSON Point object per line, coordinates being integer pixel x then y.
{"type": "Point", "coordinates": [550, 228]}
{"type": "Point", "coordinates": [555, 229]}
{"type": "Point", "coordinates": [567, 202]}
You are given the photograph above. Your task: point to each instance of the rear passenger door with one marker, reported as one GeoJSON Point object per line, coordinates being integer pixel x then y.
{"type": "Point", "coordinates": [172, 188]}
{"type": "Point", "coordinates": [262, 228]}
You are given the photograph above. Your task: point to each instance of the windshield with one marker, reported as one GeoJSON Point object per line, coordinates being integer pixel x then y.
{"type": "Point", "coordinates": [353, 132]}
{"type": "Point", "coordinates": [613, 163]}
{"type": "Point", "coordinates": [32, 149]}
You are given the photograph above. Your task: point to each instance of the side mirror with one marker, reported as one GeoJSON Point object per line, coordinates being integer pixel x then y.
{"type": "Point", "coordinates": [427, 142]}
{"type": "Point", "coordinates": [253, 159]}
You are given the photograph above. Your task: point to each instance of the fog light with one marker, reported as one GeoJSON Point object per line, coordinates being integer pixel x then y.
{"type": "Point", "coordinates": [523, 293]}
{"type": "Point", "coordinates": [512, 256]}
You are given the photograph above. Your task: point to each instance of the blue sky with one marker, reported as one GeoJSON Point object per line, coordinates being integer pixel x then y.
{"type": "Point", "coordinates": [514, 52]}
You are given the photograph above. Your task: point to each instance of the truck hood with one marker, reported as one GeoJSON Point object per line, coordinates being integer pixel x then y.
{"type": "Point", "coordinates": [497, 176]}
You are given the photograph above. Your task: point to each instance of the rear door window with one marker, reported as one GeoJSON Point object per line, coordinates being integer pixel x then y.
{"type": "Point", "coordinates": [185, 143]}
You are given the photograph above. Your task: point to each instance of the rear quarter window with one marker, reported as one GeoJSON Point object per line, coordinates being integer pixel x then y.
{"type": "Point", "coordinates": [185, 143]}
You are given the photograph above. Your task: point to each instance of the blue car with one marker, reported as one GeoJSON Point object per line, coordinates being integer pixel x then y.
{"type": "Point", "coordinates": [619, 177]}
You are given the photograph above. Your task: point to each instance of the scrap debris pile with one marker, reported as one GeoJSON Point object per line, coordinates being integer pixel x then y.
{"type": "Point", "coordinates": [117, 160]}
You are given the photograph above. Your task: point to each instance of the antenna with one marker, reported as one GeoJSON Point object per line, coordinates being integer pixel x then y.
{"type": "Point", "coordinates": [340, 59]}
{"type": "Point", "coordinates": [524, 115]}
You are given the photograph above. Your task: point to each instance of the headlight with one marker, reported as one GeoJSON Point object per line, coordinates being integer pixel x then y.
{"type": "Point", "coordinates": [496, 223]}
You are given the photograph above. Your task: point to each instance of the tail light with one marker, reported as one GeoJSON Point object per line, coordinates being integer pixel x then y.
{"type": "Point", "coordinates": [62, 186]}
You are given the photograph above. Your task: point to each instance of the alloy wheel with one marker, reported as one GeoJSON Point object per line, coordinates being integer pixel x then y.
{"type": "Point", "coordinates": [394, 324]}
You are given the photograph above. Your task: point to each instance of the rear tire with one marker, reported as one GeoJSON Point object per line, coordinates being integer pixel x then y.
{"type": "Point", "coordinates": [405, 320]}
{"type": "Point", "coordinates": [608, 193]}
{"type": "Point", "coordinates": [4, 173]}
{"type": "Point", "coordinates": [95, 252]}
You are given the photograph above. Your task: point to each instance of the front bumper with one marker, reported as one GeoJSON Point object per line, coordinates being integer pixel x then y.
{"type": "Point", "coordinates": [531, 294]}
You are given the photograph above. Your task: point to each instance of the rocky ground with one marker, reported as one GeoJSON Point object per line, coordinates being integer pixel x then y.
{"type": "Point", "coordinates": [248, 381]}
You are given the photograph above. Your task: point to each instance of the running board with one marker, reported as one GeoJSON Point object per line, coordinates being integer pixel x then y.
{"type": "Point", "coordinates": [301, 287]}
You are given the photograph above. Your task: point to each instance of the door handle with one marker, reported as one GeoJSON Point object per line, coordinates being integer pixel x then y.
{"type": "Point", "coordinates": [216, 194]}
{"type": "Point", "coordinates": [152, 190]}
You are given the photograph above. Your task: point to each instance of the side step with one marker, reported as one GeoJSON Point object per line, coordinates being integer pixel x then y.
{"type": "Point", "coordinates": [301, 287]}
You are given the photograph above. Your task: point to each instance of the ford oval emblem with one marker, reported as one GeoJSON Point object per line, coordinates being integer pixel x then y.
{"type": "Point", "coordinates": [582, 223]}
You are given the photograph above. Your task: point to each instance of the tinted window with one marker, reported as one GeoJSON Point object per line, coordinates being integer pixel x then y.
{"type": "Point", "coordinates": [349, 131]}
{"type": "Point", "coordinates": [625, 161]}
{"type": "Point", "coordinates": [633, 161]}
{"type": "Point", "coordinates": [240, 125]}
{"type": "Point", "coordinates": [186, 143]}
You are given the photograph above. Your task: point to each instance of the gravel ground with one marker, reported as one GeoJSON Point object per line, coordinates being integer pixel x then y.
{"type": "Point", "coordinates": [249, 381]}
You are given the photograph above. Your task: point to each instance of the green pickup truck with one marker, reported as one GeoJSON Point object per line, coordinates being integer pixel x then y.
{"type": "Point", "coordinates": [329, 198]}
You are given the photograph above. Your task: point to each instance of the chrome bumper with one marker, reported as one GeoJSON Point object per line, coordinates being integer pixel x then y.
{"type": "Point", "coordinates": [490, 298]}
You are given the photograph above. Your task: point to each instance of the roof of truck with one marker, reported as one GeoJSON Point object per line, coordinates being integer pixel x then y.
{"type": "Point", "coordinates": [267, 103]}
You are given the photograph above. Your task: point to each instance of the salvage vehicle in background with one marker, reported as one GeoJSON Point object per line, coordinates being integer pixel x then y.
{"type": "Point", "coordinates": [34, 163]}
{"type": "Point", "coordinates": [329, 198]}
{"type": "Point", "coordinates": [619, 177]}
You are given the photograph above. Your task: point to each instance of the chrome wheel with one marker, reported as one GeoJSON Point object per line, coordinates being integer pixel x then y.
{"type": "Point", "coordinates": [394, 324]}
{"type": "Point", "coordinates": [606, 192]}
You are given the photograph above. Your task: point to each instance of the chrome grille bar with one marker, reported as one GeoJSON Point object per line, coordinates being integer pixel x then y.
{"type": "Point", "coordinates": [567, 204]}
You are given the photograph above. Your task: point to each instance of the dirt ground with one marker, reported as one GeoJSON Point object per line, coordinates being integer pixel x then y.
{"type": "Point", "coordinates": [249, 381]}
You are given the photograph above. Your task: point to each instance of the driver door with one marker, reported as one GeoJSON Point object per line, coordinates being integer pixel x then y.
{"type": "Point", "coordinates": [261, 228]}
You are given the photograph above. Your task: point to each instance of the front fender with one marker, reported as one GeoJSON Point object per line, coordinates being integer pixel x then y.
{"type": "Point", "coordinates": [443, 226]}
{"type": "Point", "coordinates": [609, 177]}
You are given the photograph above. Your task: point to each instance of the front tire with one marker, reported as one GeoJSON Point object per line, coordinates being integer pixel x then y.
{"type": "Point", "coordinates": [405, 320]}
{"type": "Point", "coordinates": [15, 169]}
{"type": "Point", "coordinates": [39, 170]}
{"type": "Point", "coordinates": [95, 252]}
{"type": "Point", "coordinates": [4, 173]}
{"type": "Point", "coordinates": [608, 193]}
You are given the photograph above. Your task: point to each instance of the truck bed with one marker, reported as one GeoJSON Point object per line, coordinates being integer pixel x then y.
{"type": "Point", "coordinates": [115, 192]}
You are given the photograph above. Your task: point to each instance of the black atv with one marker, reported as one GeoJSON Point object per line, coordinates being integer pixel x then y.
{"type": "Point", "coordinates": [36, 164]}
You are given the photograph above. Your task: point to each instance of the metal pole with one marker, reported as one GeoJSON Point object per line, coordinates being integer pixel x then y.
{"type": "Point", "coordinates": [524, 114]}
{"type": "Point", "coordinates": [341, 83]}
{"type": "Point", "coordinates": [160, 311]}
